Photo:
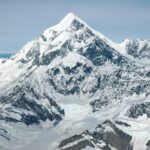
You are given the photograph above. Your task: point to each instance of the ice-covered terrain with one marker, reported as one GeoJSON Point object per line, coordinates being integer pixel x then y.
{"type": "Point", "coordinates": [72, 88]}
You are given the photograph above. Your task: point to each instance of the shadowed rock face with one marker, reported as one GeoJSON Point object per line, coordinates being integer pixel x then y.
{"type": "Point", "coordinates": [99, 53]}
{"type": "Point", "coordinates": [25, 100]}
{"type": "Point", "coordinates": [139, 109]}
{"type": "Point", "coordinates": [138, 48]}
{"type": "Point", "coordinates": [105, 136]}
{"type": "Point", "coordinates": [148, 145]}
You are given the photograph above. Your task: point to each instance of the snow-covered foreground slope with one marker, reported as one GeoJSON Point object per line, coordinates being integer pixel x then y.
{"type": "Point", "coordinates": [72, 88]}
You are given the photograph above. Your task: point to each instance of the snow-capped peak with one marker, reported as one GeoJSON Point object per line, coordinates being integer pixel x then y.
{"type": "Point", "coordinates": [74, 33]}
{"type": "Point", "coordinates": [73, 22]}
{"type": "Point", "coordinates": [69, 27]}
{"type": "Point", "coordinates": [65, 23]}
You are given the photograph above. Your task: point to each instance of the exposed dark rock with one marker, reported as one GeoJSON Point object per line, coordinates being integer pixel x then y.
{"type": "Point", "coordinates": [71, 139]}
{"type": "Point", "coordinates": [113, 137]}
{"type": "Point", "coordinates": [148, 143]}
{"type": "Point", "coordinates": [137, 110]}
{"type": "Point", "coordinates": [81, 145]}
{"type": "Point", "coordinates": [122, 123]}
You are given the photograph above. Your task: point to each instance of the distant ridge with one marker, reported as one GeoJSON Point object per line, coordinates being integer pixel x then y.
{"type": "Point", "coordinates": [5, 55]}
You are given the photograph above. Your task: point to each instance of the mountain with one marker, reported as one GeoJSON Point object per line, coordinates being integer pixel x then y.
{"type": "Point", "coordinates": [73, 88]}
{"type": "Point", "coordinates": [137, 50]}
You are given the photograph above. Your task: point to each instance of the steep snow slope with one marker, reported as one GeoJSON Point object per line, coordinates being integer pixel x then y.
{"type": "Point", "coordinates": [70, 79]}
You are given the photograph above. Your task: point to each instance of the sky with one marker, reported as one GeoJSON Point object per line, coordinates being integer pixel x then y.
{"type": "Point", "coordinates": [23, 20]}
